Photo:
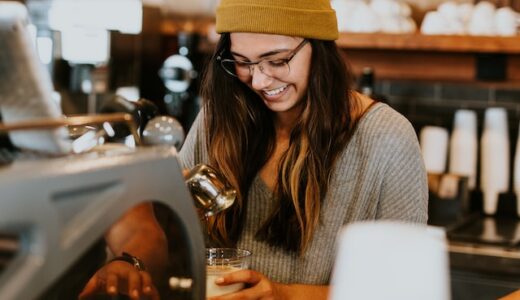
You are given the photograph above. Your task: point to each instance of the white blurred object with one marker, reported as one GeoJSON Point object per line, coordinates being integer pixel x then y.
{"type": "Point", "coordinates": [44, 45]}
{"type": "Point", "coordinates": [434, 148]}
{"type": "Point", "coordinates": [191, 7]}
{"type": "Point", "coordinates": [390, 16]}
{"type": "Point", "coordinates": [494, 160]}
{"type": "Point", "coordinates": [433, 23]}
{"type": "Point", "coordinates": [397, 25]}
{"type": "Point", "coordinates": [164, 130]}
{"type": "Point", "coordinates": [391, 8]}
{"type": "Point", "coordinates": [516, 174]}
{"type": "Point", "coordinates": [125, 16]}
{"type": "Point", "coordinates": [130, 93]}
{"type": "Point", "coordinates": [464, 146]}
{"type": "Point", "coordinates": [444, 21]}
{"type": "Point", "coordinates": [364, 20]}
{"type": "Point", "coordinates": [465, 11]}
{"type": "Point", "coordinates": [452, 18]}
{"type": "Point", "coordinates": [85, 26]}
{"type": "Point", "coordinates": [177, 72]}
{"type": "Point", "coordinates": [345, 9]}
{"type": "Point", "coordinates": [390, 260]}
{"type": "Point", "coordinates": [85, 46]}
{"type": "Point", "coordinates": [408, 25]}
{"type": "Point", "coordinates": [505, 22]}
{"type": "Point", "coordinates": [449, 9]}
{"type": "Point", "coordinates": [405, 9]}
{"type": "Point", "coordinates": [482, 21]}
{"type": "Point", "coordinates": [453, 24]}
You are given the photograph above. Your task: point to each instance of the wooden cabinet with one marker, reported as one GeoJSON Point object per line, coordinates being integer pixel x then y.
{"type": "Point", "coordinates": [493, 60]}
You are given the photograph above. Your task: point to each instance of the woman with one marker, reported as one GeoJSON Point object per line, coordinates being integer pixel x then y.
{"type": "Point", "coordinates": [306, 153]}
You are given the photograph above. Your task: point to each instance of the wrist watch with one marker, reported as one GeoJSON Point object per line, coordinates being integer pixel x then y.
{"type": "Point", "coordinates": [133, 260]}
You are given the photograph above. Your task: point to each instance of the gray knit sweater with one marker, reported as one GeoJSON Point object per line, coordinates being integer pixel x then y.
{"type": "Point", "coordinates": [379, 175]}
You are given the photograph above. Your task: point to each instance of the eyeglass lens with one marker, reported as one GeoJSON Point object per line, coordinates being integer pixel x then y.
{"type": "Point", "coordinates": [272, 67]}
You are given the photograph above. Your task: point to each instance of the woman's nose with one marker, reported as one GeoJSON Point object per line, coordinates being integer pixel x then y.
{"type": "Point", "coordinates": [259, 79]}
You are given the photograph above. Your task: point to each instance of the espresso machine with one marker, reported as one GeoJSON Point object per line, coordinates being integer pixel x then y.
{"type": "Point", "coordinates": [54, 210]}
{"type": "Point", "coordinates": [57, 207]}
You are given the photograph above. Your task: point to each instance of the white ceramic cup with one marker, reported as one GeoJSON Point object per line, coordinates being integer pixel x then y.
{"type": "Point", "coordinates": [391, 260]}
{"type": "Point", "coordinates": [494, 160]}
{"type": "Point", "coordinates": [506, 22]}
{"type": "Point", "coordinates": [220, 261]}
{"type": "Point", "coordinates": [433, 23]}
{"type": "Point", "coordinates": [516, 174]}
{"type": "Point", "coordinates": [482, 21]}
{"type": "Point", "coordinates": [434, 148]}
{"type": "Point", "coordinates": [463, 146]}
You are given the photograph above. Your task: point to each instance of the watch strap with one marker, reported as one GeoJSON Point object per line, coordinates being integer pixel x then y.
{"type": "Point", "coordinates": [129, 258]}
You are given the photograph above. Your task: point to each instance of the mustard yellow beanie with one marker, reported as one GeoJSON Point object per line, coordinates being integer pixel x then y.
{"type": "Point", "coordinates": [304, 18]}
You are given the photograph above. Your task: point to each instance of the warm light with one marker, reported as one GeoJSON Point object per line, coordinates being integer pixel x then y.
{"type": "Point", "coordinates": [85, 46]}
{"type": "Point", "coordinates": [130, 93]}
{"type": "Point", "coordinates": [120, 15]}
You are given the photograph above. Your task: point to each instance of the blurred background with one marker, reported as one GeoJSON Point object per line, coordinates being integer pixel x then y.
{"type": "Point", "coordinates": [451, 67]}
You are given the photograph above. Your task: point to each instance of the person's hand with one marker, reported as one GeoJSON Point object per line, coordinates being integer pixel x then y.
{"type": "Point", "coordinates": [257, 286]}
{"type": "Point", "coordinates": [120, 277]}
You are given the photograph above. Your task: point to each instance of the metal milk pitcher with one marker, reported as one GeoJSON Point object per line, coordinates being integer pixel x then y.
{"type": "Point", "coordinates": [210, 190]}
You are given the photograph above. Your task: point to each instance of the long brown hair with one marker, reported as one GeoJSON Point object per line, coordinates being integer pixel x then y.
{"type": "Point", "coordinates": [241, 137]}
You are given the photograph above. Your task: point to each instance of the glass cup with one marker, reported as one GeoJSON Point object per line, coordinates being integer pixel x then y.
{"type": "Point", "coordinates": [220, 261]}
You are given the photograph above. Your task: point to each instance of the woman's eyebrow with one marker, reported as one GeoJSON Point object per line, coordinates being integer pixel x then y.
{"type": "Point", "coordinates": [266, 54]}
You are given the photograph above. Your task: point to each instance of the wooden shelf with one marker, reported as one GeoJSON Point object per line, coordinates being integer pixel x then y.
{"type": "Point", "coordinates": [431, 57]}
{"type": "Point", "coordinates": [440, 43]}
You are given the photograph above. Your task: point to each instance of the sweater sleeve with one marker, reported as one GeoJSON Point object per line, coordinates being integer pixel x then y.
{"type": "Point", "coordinates": [193, 148]}
{"type": "Point", "coordinates": [404, 191]}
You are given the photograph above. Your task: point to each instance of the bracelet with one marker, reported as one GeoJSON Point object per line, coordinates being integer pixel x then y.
{"type": "Point", "coordinates": [133, 260]}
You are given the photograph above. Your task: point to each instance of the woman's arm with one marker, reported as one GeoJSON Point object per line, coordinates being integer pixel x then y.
{"type": "Point", "coordinates": [138, 234]}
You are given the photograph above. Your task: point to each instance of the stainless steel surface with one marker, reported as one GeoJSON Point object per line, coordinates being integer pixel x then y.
{"type": "Point", "coordinates": [163, 130]}
{"type": "Point", "coordinates": [74, 121]}
{"type": "Point", "coordinates": [486, 244]}
{"type": "Point", "coordinates": [61, 206]}
{"type": "Point", "coordinates": [210, 191]}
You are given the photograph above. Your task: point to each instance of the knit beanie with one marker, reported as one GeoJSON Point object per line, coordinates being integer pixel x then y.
{"type": "Point", "coordinates": [304, 18]}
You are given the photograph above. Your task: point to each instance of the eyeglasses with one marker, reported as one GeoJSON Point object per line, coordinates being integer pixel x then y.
{"type": "Point", "coordinates": [273, 66]}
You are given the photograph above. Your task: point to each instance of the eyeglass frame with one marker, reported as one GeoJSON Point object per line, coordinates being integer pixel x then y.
{"type": "Point", "coordinates": [251, 64]}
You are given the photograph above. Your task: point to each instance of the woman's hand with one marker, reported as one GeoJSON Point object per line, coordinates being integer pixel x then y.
{"type": "Point", "coordinates": [257, 286]}
{"type": "Point", "coordinates": [119, 277]}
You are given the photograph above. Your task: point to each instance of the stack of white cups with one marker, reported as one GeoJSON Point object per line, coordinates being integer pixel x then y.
{"type": "Point", "coordinates": [494, 158]}
{"type": "Point", "coordinates": [516, 176]}
{"type": "Point", "coordinates": [434, 148]}
{"type": "Point", "coordinates": [390, 260]}
{"type": "Point", "coordinates": [463, 146]}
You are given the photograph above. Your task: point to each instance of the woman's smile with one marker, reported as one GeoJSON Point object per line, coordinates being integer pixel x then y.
{"type": "Point", "coordinates": [276, 93]}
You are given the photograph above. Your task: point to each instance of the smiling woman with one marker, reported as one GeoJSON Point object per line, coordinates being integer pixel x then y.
{"type": "Point", "coordinates": [305, 152]}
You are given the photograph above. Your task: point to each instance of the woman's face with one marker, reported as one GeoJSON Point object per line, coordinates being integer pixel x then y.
{"type": "Point", "coordinates": [281, 91]}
